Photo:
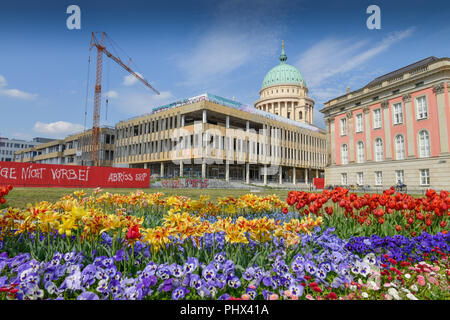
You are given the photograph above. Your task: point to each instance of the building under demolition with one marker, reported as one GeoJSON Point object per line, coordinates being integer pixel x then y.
{"type": "Point", "coordinates": [73, 150]}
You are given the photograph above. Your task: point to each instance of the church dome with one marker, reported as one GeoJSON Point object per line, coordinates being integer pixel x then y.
{"type": "Point", "coordinates": [283, 74]}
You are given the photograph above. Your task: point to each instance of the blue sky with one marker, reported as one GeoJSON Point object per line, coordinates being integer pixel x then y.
{"type": "Point", "coordinates": [185, 48]}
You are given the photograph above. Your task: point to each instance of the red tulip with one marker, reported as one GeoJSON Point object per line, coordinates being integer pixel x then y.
{"type": "Point", "coordinates": [133, 233]}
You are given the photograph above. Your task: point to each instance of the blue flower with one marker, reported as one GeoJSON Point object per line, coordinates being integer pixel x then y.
{"type": "Point", "coordinates": [195, 282]}
{"type": "Point", "coordinates": [321, 273]}
{"type": "Point", "coordinates": [310, 267]}
{"type": "Point", "coordinates": [225, 296]}
{"type": "Point", "coordinates": [296, 266]}
{"type": "Point", "coordinates": [234, 282]}
{"type": "Point", "coordinates": [179, 293]}
{"type": "Point", "coordinates": [190, 265]}
{"type": "Point", "coordinates": [219, 257]}
{"type": "Point", "coordinates": [209, 272]}
{"type": "Point", "coordinates": [176, 270]}
{"type": "Point", "coordinates": [296, 290]}
{"type": "Point", "coordinates": [120, 255]}
{"type": "Point", "coordinates": [251, 293]}
{"type": "Point", "coordinates": [248, 274]}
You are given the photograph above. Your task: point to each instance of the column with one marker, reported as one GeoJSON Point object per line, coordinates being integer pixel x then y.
{"type": "Point", "coordinates": [409, 118]}
{"type": "Point", "coordinates": [265, 174]}
{"type": "Point", "coordinates": [182, 120]}
{"type": "Point", "coordinates": [331, 142]}
{"type": "Point", "coordinates": [203, 168]}
{"type": "Point", "coordinates": [306, 175]}
{"type": "Point", "coordinates": [280, 173]}
{"type": "Point", "coordinates": [387, 129]}
{"type": "Point", "coordinates": [442, 117]}
{"type": "Point", "coordinates": [204, 116]}
{"type": "Point", "coordinates": [351, 143]}
{"type": "Point", "coordinates": [317, 173]}
{"type": "Point", "coordinates": [247, 173]}
{"type": "Point", "coordinates": [367, 131]}
{"type": "Point", "coordinates": [227, 149]}
{"type": "Point", "coordinates": [181, 167]}
{"type": "Point", "coordinates": [294, 175]}
{"type": "Point", "coordinates": [161, 173]}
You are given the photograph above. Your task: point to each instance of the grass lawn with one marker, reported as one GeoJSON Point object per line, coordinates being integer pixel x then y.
{"type": "Point", "coordinates": [21, 197]}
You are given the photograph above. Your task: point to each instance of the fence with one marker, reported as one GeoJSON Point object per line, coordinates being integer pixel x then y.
{"type": "Point", "coordinates": [21, 174]}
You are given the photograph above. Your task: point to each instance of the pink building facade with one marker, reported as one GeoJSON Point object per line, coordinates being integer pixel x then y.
{"type": "Point", "coordinates": [394, 130]}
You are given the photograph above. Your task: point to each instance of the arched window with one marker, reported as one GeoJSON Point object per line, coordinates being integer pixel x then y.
{"type": "Point", "coordinates": [378, 149]}
{"type": "Point", "coordinates": [344, 154]}
{"type": "Point", "coordinates": [399, 147]}
{"type": "Point", "coordinates": [424, 144]}
{"type": "Point", "coordinates": [360, 152]}
{"type": "Point", "coordinates": [300, 115]}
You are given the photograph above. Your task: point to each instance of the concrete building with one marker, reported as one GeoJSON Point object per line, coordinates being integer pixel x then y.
{"type": "Point", "coordinates": [73, 150]}
{"type": "Point", "coordinates": [213, 137]}
{"type": "Point", "coordinates": [396, 128]}
{"type": "Point", "coordinates": [8, 147]}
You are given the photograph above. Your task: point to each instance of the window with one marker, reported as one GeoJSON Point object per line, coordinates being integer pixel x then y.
{"type": "Point", "coordinates": [289, 115]}
{"type": "Point", "coordinates": [377, 118]}
{"type": "Point", "coordinates": [378, 149]}
{"type": "Point", "coordinates": [398, 113]}
{"type": "Point", "coordinates": [425, 177]}
{"type": "Point", "coordinates": [421, 108]}
{"type": "Point", "coordinates": [300, 115]}
{"type": "Point", "coordinates": [359, 122]}
{"type": "Point", "coordinates": [424, 144]}
{"type": "Point", "coordinates": [378, 178]}
{"type": "Point", "coordinates": [344, 179]}
{"type": "Point", "coordinates": [344, 154]}
{"type": "Point", "coordinates": [360, 152]}
{"type": "Point", "coordinates": [360, 178]}
{"type": "Point", "coordinates": [399, 176]}
{"type": "Point", "coordinates": [343, 126]}
{"type": "Point", "coordinates": [399, 147]}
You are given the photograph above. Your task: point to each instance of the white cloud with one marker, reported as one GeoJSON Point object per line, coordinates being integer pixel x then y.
{"type": "Point", "coordinates": [22, 136]}
{"type": "Point", "coordinates": [58, 129]}
{"type": "Point", "coordinates": [135, 103]}
{"type": "Point", "coordinates": [241, 32]}
{"type": "Point", "coordinates": [130, 79]}
{"type": "Point", "coordinates": [332, 57]}
{"type": "Point", "coordinates": [218, 54]}
{"type": "Point", "coordinates": [111, 94]}
{"type": "Point", "coordinates": [332, 64]}
{"type": "Point", "coordinates": [2, 81]}
{"type": "Point", "coordinates": [14, 93]}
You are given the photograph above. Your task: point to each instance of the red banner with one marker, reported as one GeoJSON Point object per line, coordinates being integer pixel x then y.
{"type": "Point", "coordinates": [20, 174]}
{"type": "Point", "coordinates": [319, 183]}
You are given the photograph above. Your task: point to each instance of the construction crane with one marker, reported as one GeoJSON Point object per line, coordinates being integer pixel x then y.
{"type": "Point", "coordinates": [101, 49]}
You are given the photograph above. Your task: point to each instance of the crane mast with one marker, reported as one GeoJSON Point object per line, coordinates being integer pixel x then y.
{"type": "Point", "coordinates": [101, 49]}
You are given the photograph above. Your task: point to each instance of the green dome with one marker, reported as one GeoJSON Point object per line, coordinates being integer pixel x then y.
{"type": "Point", "coordinates": [283, 74]}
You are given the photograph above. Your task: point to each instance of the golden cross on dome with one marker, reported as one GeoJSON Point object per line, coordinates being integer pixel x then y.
{"type": "Point", "coordinates": [282, 44]}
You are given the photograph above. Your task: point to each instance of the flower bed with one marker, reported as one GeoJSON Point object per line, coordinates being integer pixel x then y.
{"type": "Point", "coordinates": [147, 246]}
